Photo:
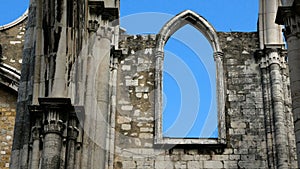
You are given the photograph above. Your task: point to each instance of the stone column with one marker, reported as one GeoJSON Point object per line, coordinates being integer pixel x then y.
{"type": "Point", "coordinates": [272, 31]}
{"type": "Point", "coordinates": [113, 103]}
{"type": "Point", "coordinates": [102, 89]}
{"type": "Point", "coordinates": [272, 63]}
{"type": "Point", "coordinates": [159, 55]}
{"type": "Point", "coordinates": [97, 98]}
{"type": "Point", "coordinates": [278, 109]}
{"type": "Point", "coordinates": [290, 17]}
{"type": "Point", "coordinates": [36, 115]}
{"type": "Point", "coordinates": [267, 108]}
{"type": "Point", "coordinates": [272, 43]}
{"type": "Point", "coordinates": [72, 135]}
{"type": "Point", "coordinates": [55, 115]}
{"type": "Point", "coordinates": [218, 57]}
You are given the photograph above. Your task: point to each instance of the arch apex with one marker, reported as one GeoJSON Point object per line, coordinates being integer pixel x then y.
{"type": "Point", "coordinates": [194, 19]}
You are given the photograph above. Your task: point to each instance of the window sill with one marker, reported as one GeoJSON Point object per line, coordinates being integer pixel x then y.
{"type": "Point", "coordinates": [189, 141]}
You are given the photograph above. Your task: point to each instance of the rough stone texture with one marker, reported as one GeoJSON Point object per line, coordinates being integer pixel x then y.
{"type": "Point", "coordinates": [8, 99]}
{"type": "Point", "coordinates": [125, 92]}
{"type": "Point", "coordinates": [11, 47]}
{"type": "Point", "coordinates": [245, 119]}
{"type": "Point", "coordinates": [12, 42]}
{"type": "Point", "coordinates": [289, 16]}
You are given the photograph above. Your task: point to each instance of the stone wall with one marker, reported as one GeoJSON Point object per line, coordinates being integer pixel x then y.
{"type": "Point", "coordinates": [11, 47]}
{"type": "Point", "coordinates": [8, 99]}
{"type": "Point", "coordinates": [12, 42]}
{"type": "Point", "coordinates": [248, 135]}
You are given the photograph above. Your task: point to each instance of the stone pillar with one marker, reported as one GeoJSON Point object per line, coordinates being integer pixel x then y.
{"type": "Point", "coordinates": [218, 57]}
{"type": "Point", "coordinates": [36, 115]}
{"type": "Point", "coordinates": [290, 17]}
{"type": "Point", "coordinates": [72, 134]}
{"type": "Point", "coordinates": [278, 111]}
{"type": "Point", "coordinates": [267, 108]}
{"type": "Point", "coordinates": [272, 31]}
{"type": "Point", "coordinates": [269, 32]}
{"type": "Point", "coordinates": [78, 147]}
{"type": "Point", "coordinates": [272, 64]}
{"type": "Point", "coordinates": [113, 103]}
{"type": "Point", "coordinates": [97, 97]}
{"type": "Point", "coordinates": [55, 115]}
{"type": "Point", "coordinates": [102, 79]}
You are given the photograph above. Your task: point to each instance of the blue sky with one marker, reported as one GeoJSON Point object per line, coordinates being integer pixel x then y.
{"type": "Point", "coordinates": [189, 71]}
{"type": "Point", "coordinates": [225, 15]}
{"type": "Point", "coordinates": [11, 10]}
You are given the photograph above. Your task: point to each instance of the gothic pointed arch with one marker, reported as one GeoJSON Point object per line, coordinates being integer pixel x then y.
{"type": "Point", "coordinates": [194, 19]}
{"type": "Point", "coordinates": [9, 76]}
{"type": "Point", "coordinates": [202, 25]}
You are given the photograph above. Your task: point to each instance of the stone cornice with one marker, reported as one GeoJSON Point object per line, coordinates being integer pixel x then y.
{"type": "Point", "coordinates": [273, 54]}
{"type": "Point", "coordinates": [290, 17]}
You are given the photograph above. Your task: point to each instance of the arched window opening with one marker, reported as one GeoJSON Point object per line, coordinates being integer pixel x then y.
{"type": "Point", "coordinates": [189, 86]}
{"type": "Point", "coordinates": [190, 89]}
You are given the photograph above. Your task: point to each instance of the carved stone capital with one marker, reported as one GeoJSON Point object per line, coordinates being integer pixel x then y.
{"type": "Point", "coordinates": [93, 25]}
{"type": "Point", "coordinates": [290, 17]}
{"type": "Point", "coordinates": [159, 54]}
{"type": "Point", "coordinates": [55, 114]}
{"type": "Point", "coordinates": [270, 56]}
{"type": "Point", "coordinates": [36, 132]}
{"type": "Point", "coordinates": [53, 122]}
{"type": "Point", "coordinates": [218, 55]}
{"type": "Point", "coordinates": [73, 132]}
{"type": "Point", "coordinates": [116, 55]}
{"type": "Point", "coordinates": [73, 123]}
{"type": "Point", "coordinates": [105, 32]}
{"type": "Point", "coordinates": [36, 115]}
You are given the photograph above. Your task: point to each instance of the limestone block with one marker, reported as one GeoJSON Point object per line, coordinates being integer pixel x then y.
{"type": "Point", "coordinates": [213, 164]}
{"type": "Point", "coordinates": [195, 164]}
{"type": "Point", "coordinates": [123, 119]}
{"type": "Point", "coordinates": [163, 164]}
{"type": "Point", "coordinates": [125, 126]}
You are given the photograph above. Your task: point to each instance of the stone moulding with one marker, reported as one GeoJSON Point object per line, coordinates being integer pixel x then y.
{"type": "Point", "coordinates": [177, 22]}
{"type": "Point", "coordinates": [9, 76]}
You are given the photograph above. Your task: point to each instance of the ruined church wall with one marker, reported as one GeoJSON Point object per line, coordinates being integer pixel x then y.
{"type": "Point", "coordinates": [246, 127]}
{"type": "Point", "coordinates": [11, 46]}
{"type": "Point", "coordinates": [8, 99]}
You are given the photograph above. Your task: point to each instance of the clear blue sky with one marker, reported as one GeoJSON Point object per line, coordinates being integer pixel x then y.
{"type": "Point", "coordinates": [189, 71]}
{"type": "Point", "coordinates": [11, 10]}
{"type": "Point", "coordinates": [224, 15]}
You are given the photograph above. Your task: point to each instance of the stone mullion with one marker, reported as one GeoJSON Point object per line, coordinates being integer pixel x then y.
{"type": "Point", "coordinates": [218, 57]}
{"type": "Point", "coordinates": [159, 56]}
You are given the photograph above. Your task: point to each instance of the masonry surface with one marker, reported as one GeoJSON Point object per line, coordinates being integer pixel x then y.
{"type": "Point", "coordinates": [8, 99]}
{"type": "Point", "coordinates": [246, 122]}
{"type": "Point", "coordinates": [88, 93]}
